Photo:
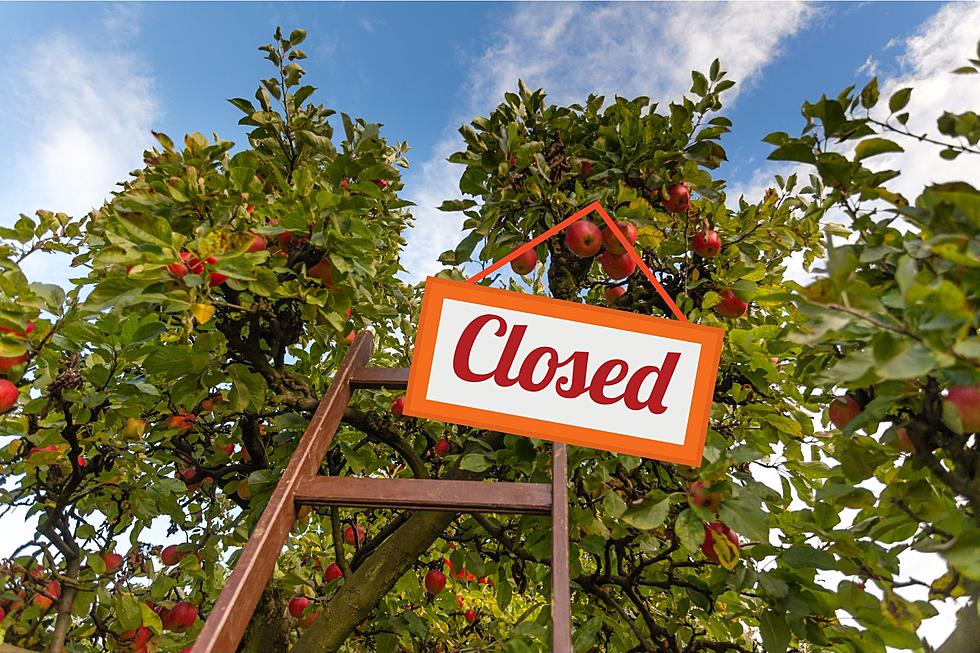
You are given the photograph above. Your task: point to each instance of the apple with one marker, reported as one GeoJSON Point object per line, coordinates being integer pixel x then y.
{"type": "Point", "coordinates": [380, 183]}
{"type": "Point", "coordinates": [617, 266]}
{"type": "Point", "coordinates": [135, 641]}
{"type": "Point", "coordinates": [524, 263]}
{"type": "Point", "coordinates": [344, 183]}
{"type": "Point", "coordinates": [8, 395]}
{"type": "Point", "coordinates": [308, 620]}
{"type": "Point", "coordinates": [583, 239]}
{"type": "Point", "coordinates": [187, 263]}
{"type": "Point", "coordinates": [34, 450]}
{"type": "Point", "coordinates": [710, 531]}
{"type": "Point", "coordinates": [215, 278]}
{"type": "Point", "coordinates": [842, 410]}
{"type": "Point", "coordinates": [50, 594]}
{"type": "Point", "coordinates": [257, 243]}
{"type": "Point", "coordinates": [677, 198]}
{"type": "Point", "coordinates": [323, 270]}
{"type": "Point", "coordinates": [486, 581]}
{"type": "Point", "coordinates": [249, 208]}
{"type": "Point", "coordinates": [434, 581]}
{"type": "Point", "coordinates": [470, 616]}
{"type": "Point", "coordinates": [171, 556]}
{"type": "Point", "coordinates": [710, 500]}
{"type": "Point", "coordinates": [226, 449]}
{"type": "Point", "coordinates": [707, 243]}
{"type": "Point", "coordinates": [207, 405]}
{"type": "Point", "coordinates": [614, 292]}
{"type": "Point", "coordinates": [182, 420]}
{"type": "Point", "coordinates": [612, 243]}
{"type": "Point", "coordinates": [134, 428]}
{"type": "Point", "coordinates": [442, 448]}
{"type": "Point", "coordinates": [182, 616]}
{"type": "Point", "coordinates": [902, 440]}
{"type": "Point", "coordinates": [586, 168]}
{"type": "Point", "coordinates": [730, 305]}
{"type": "Point", "coordinates": [112, 562]}
{"type": "Point", "coordinates": [398, 406]}
{"type": "Point", "coordinates": [20, 334]}
{"type": "Point", "coordinates": [80, 460]}
{"type": "Point", "coordinates": [2, 615]}
{"type": "Point", "coordinates": [349, 535]}
{"type": "Point", "coordinates": [332, 572]}
{"type": "Point", "coordinates": [964, 398]}
{"type": "Point", "coordinates": [297, 606]}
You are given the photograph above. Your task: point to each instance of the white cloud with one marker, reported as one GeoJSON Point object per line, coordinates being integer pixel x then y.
{"type": "Point", "coordinates": [573, 49]}
{"type": "Point", "coordinates": [78, 120]}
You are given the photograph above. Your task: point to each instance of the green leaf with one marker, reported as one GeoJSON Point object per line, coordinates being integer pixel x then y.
{"type": "Point", "coordinates": [874, 146]}
{"type": "Point", "coordinates": [899, 99]}
{"type": "Point", "coordinates": [648, 514]}
{"type": "Point", "coordinates": [128, 611]}
{"type": "Point", "coordinates": [774, 631]}
{"type": "Point", "coordinates": [690, 530]}
{"type": "Point", "coordinates": [475, 462]}
{"type": "Point", "coordinates": [793, 151]}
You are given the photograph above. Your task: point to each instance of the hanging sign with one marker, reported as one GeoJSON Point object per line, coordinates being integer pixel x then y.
{"type": "Point", "coordinates": [563, 371]}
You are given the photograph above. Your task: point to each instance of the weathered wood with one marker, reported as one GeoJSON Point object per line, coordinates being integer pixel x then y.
{"type": "Point", "coordinates": [390, 378]}
{"type": "Point", "coordinates": [424, 494]}
{"type": "Point", "coordinates": [561, 618]}
{"type": "Point", "coordinates": [229, 618]}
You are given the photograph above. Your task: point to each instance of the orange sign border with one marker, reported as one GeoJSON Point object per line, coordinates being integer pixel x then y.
{"type": "Point", "coordinates": [438, 290]}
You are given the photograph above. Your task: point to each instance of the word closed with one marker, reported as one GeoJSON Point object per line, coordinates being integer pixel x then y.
{"type": "Point", "coordinates": [562, 371]}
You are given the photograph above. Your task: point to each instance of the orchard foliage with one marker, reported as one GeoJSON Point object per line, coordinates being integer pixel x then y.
{"type": "Point", "coordinates": [215, 292]}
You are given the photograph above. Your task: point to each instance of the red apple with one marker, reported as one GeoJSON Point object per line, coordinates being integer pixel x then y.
{"type": "Point", "coordinates": [52, 590]}
{"type": "Point", "coordinates": [344, 183]}
{"type": "Point", "coordinates": [20, 334]}
{"type": "Point", "coordinates": [135, 641]}
{"type": "Point", "coordinates": [182, 616]}
{"type": "Point", "coordinates": [112, 562]}
{"type": "Point", "coordinates": [842, 410]}
{"type": "Point", "coordinates": [215, 278]}
{"type": "Point", "coordinates": [434, 581]}
{"type": "Point", "coordinates": [706, 244]}
{"type": "Point", "coordinates": [614, 292]}
{"type": "Point", "coordinates": [712, 529]}
{"type": "Point", "coordinates": [2, 615]}
{"type": "Point", "coordinates": [323, 271]}
{"type": "Point", "coordinates": [677, 198]}
{"type": "Point", "coordinates": [308, 620]}
{"type": "Point", "coordinates": [730, 305]}
{"type": "Point", "coordinates": [182, 420]}
{"type": "Point", "coordinates": [586, 168]}
{"type": "Point", "coordinates": [398, 406]}
{"type": "Point", "coordinates": [257, 244]}
{"type": "Point", "coordinates": [249, 208]}
{"type": "Point", "coordinates": [710, 500]}
{"type": "Point", "coordinates": [171, 556]}
{"type": "Point", "coordinates": [349, 535]}
{"type": "Point", "coordinates": [524, 263]}
{"type": "Point", "coordinates": [332, 572]}
{"type": "Point", "coordinates": [380, 183]}
{"type": "Point", "coordinates": [612, 243]}
{"type": "Point", "coordinates": [8, 395]}
{"type": "Point", "coordinates": [297, 606]}
{"type": "Point", "coordinates": [7, 362]}
{"type": "Point", "coordinates": [470, 616]}
{"type": "Point", "coordinates": [964, 398]}
{"type": "Point", "coordinates": [442, 448]}
{"type": "Point", "coordinates": [617, 266]}
{"type": "Point", "coordinates": [583, 239]}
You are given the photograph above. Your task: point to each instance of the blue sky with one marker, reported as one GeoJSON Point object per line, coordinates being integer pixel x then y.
{"type": "Point", "coordinates": [91, 79]}
{"type": "Point", "coordinates": [84, 83]}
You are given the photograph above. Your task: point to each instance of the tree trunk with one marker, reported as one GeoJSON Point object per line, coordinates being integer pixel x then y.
{"type": "Point", "coordinates": [268, 630]}
{"type": "Point", "coordinates": [65, 603]}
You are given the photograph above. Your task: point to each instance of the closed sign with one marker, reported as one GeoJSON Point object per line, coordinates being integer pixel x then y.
{"type": "Point", "coordinates": [562, 371]}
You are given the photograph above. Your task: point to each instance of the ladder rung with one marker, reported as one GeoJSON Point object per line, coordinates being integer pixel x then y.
{"type": "Point", "coordinates": [425, 494]}
{"type": "Point", "coordinates": [393, 378]}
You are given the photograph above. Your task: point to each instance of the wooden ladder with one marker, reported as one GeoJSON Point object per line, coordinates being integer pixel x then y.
{"type": "Point", "coordinates": [302, 485]}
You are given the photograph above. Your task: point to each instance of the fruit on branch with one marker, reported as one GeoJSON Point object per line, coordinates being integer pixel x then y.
{"type": "Point", "coordinates": [677, 198]}
{"type": "Point", "coordinates": [7, 362]}
{"type": "Point", "coordinates": [135, 641]}
{"type": "Point", "coordinates": [207, 405]}
{"type": "Point", "coordinates": [183, 420]}
{"type": "Point", "coordinates": [583, 238]}
{"type": "Point", "coordinates": [134, 428]}
{"type": "Point", "coordinates": [181, 617]}
{"type": "Point", "coordinates": [171, 556]}
{"type": "Point", "coordinates": [398, 406]}
{"type": "Point", "coordinates": [434, 581]}
{"type": "Point", "coordinates": [730, 305]}
{"type": "Point", "coordinates": [613, 293]}
{"type": "Point", "coordinates": [50, 594]}
{"type": "Point", "coordinates": [380, 183]}
{"type": "Point", "coordinates": [349, 538]}
{"type": "Point", "coordinates": [470, 616]}
{"type": "Point", "coordinates": [707, 243]}
{"type": "Point", "coordinates": [586, 168]}
{"type": "Point", "coordinates": [308, 620]}
{"type": "Point", "coordinates": [215, 278]}
{"type": "Point", "coordinates": [297, 606]}
{"type": "Point", "coordinates": [323, 270]}
{"type": "Point", "coordinates": [112, 562]}
{"type": "Point", "coordinates": [713, 530]}
{"type": "Point", "coordinates": [257, 243]}
{"type": "Point", "coordinates": [442, 448]}
{"type": "Point", "coordinates": [524, 263]}
{"type": "Point", "coordinates": [332, 572]}
{"type": "Point", "coordinates": [617, 266]}
{"type": "Point", "coordinates": [612, 243]}
{"type": "Point", "coordinates": [8, 395]}
{"type": "Point", "coordinates": [965, 399]}
{"type": "Point", "coordinates": [187, 263]}
{"type": "Point", "coordinates": [344, 183]}
{"type": "Point", "coordinates": [842, 410]}
{"type": "Point", "coordinates": [710, 500]}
